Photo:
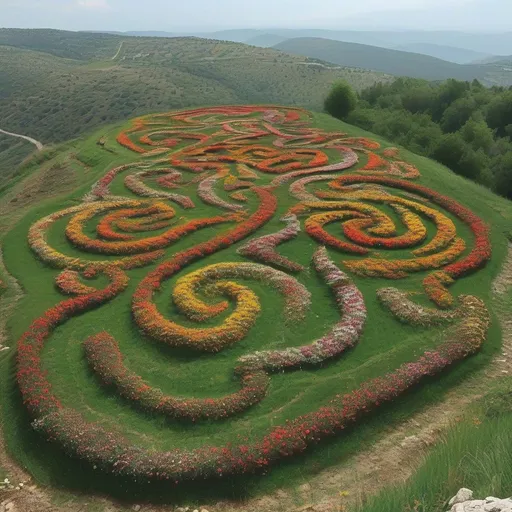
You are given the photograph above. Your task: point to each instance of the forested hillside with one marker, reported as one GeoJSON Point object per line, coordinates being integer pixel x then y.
{"type": "Point", "coordinates": [465, 126]}
{"type": "Point", "coordinates": [77, 81]}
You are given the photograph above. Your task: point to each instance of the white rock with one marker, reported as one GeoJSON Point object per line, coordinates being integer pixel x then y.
{"type": "Point", "coordinates": [490, 504]}
{"type": "Point", "coordinates": [498, 506]}
{"type": "Point", "coordinates": [474, 506]}
{"type": "Point", "coordinates": [462, 496]}
{"type": "Point", "coordinates": [136, 508]}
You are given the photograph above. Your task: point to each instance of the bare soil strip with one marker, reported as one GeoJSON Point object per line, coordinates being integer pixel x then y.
{"type": "Point", "coordinates": [118, 51]}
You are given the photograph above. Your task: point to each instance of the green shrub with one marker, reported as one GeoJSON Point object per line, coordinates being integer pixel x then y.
{"type": "Point", "coordinates": [340, 101]}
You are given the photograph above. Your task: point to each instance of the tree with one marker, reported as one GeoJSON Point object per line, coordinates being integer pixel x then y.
{"type": "Point", "coordinates": [503, 175]}
{"type": "Point", "coordinates": [448, 92]}
{"type": "Point", "coordinates": [340, 101]}
{"type": "Point", "coordinates": [362, 117]}
{"type": "Point", "coordinates": [374, 92]}
{"type": "Point", "coordinates": [419, 99]}
{"type": "Point", "coordinates": [499, 113]}
{"type": "Point", "coordinates": [478, 134]}
{"type": "Point", "coordinates": [450, 150]}
{"type": "Point", "coordinates": [457, 114]}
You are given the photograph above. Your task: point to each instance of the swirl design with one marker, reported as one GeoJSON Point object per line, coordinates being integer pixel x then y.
{"type": "Point", "coordinates": [350, 196]}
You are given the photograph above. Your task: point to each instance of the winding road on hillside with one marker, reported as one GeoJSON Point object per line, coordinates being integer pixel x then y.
{"type": "Point", "coordinates": [36, 143]}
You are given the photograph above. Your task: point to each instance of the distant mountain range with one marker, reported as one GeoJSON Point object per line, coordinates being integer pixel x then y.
{"type": "Point", "coordinates": [453, 46]}
{"type": "Point", "coordinates": [265, 40]}
{"type": "Point", "coordinates": [394, 62]}
{"type": "Point", "coordinates": [449, 53]}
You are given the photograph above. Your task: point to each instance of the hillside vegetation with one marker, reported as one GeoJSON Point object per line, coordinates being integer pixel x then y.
{"type": "Point", "coordinates": [56, 85]}
{"type": "Point", "coordinates": [493, 43]}
{"type": "Point", "coordinates": [61, 43]}
{"type": "Point", "coordinates": [13, 152]}
{"type": "Point", "coordinates": [463, 125]}
{"type": "Point", "coordinates": [394, 62]}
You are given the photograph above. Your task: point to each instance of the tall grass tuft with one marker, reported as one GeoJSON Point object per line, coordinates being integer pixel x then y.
{"type": "Point", "coordinates": [476, 453]}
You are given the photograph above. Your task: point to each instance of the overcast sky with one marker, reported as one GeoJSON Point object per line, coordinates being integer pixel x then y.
{"type": "Point", "coordinates": [183, 15]}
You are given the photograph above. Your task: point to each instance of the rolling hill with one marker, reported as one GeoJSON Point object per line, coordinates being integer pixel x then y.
{"type": "Point", "coordinates": [449, 53]}
{"type": "Point", "coordinates": [496, 59]}
{"type": "Point", "coordinates": [265, 40]}
{"type": "Point", "coordinates": [69, 45]}
{"type": "Point", "coordinates": [497, 43]}
{"type": "Point", "coordinates": [56, 85]}
{"type": "Point", "coordinates": [428, 42]}
{"type": "Point", "coordinates": [392, 61]}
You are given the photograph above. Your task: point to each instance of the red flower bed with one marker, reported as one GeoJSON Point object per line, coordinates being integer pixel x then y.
{"type": "Point", "coordinates": [107, 362]}
{"type": "Point", "coordinates": [375, 162]}
{"type": "Point", "coordinates": [34, 386]}
{"type": "Point", "coordinates": [75, 232]}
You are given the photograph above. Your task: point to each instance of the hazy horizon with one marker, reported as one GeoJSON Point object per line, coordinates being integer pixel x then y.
{"type": "Point", "coordinates": [205, 15]}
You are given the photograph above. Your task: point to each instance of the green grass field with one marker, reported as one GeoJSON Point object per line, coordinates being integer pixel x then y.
{"type": "Point", "coordinates": [384, 345]}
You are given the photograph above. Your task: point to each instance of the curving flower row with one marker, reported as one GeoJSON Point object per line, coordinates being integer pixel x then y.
{"type": "Point", "coordinates": [106, 360]}
{"type": "Point", "coordinates": [113, 453]}
{"type": "Point", "coordinates": [134, 183]}
{"type": "Point", "coordinates": [154, 324]}
{"type": "Point", "coordinates": [206, 192]}
{"type": "Point", "coordinates": [450, 263]}
{"type": "Point", "coordinates": [247, 306]}
{"type": "Point", "coordinates": [263, 248]}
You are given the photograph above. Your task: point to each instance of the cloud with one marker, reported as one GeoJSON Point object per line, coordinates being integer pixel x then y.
{"type": "Point", "coordinates": [96, 5]}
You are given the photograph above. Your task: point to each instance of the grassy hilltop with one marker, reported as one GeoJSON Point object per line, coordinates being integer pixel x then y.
{"type": "Point", "coordinates": [384, 345]}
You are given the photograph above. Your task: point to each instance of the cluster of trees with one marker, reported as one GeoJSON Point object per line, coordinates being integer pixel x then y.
{"type": "Point", "coordinates": [463, 125]}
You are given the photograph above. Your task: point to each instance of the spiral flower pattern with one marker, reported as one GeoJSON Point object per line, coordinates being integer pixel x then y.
{"type": "Point", "coordinates": [204, 196]}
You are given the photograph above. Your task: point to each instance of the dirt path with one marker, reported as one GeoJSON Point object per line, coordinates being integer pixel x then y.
{"type": "Point", "coordinates": [389, 461]}
{"type": "Point", "coordinates": [36, 143]}
{"type": "Point", "coordinates": [118, 51]}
